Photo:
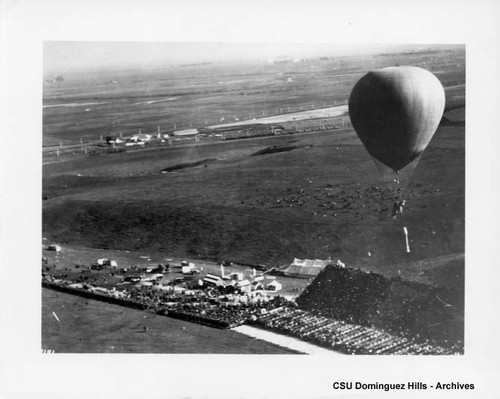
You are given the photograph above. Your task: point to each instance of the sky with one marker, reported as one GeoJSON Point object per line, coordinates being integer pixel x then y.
{"type": "Point", "coordinates": [64, 56]}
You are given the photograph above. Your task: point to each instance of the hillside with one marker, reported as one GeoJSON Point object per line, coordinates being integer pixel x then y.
{"type": "Point", "coordinates": [324, 198]}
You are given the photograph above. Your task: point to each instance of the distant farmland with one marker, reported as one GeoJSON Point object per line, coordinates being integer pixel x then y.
{"type": "Point", "coordinates": [198, 96]}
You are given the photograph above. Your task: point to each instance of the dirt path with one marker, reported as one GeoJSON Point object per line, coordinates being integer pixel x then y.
{"type": "Point", "coordinates": [330, 112]}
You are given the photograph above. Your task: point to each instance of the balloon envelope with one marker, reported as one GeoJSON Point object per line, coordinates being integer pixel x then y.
{"type": "Point", "coordinates": [395, 111]}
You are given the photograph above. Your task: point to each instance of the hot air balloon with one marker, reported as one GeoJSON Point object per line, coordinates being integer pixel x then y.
{"type": "Point", "coordinates": [395, 112]}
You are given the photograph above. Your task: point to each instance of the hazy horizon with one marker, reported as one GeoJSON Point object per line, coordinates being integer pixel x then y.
{"type": "Point", "coordinates": [68, 57]}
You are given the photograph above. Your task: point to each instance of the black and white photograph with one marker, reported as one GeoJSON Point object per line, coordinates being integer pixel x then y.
{"type": "Point", "coordinates": [287, 193]}
{"type": "Point", "coordinates": [249, 200]}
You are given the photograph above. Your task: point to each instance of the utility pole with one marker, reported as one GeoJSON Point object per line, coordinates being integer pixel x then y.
{"type": "Point", "coordinates": [406, 239]}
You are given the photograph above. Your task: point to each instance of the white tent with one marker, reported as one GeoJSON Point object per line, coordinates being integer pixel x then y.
{"type": "Point", "coordinates": [186, 132]}
{"type": "Point", "coordinates": [305, 267]}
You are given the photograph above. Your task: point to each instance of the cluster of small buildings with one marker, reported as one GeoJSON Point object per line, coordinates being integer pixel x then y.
{"type": "Point", "coordinates": [221, 301]}
{"type": "Point", "coordinates": [191, 283]}
{"type": "Point", "coordinates": [234, 284]}
{"type": "Point", "coordinates": [141, 139]}
{"type": "Point", "coordinates": [241, 283]}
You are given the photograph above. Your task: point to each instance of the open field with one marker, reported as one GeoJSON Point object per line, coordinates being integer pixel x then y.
{"type": "Point", "coordinates": [259, 200]}
{"type": "Point", "coordinates": [124, 202]}
{"type": "Point", "coordinates": [115, 329]}
{"type": "Point", "coordinates": [84, 107]}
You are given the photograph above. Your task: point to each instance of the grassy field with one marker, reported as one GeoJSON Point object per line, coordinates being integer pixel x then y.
{"type": "Point", "coordinates": [229, 209]}
{"type": "Point", "coordinates": [262, 200]}
{"type": "Point", "coordinates": [121, 330]}
{"type": "Point", "coordinates": [84, 107]}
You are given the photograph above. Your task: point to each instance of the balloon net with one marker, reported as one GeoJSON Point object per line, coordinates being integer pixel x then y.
{"type": "Point", "coordinates": [396, 183]}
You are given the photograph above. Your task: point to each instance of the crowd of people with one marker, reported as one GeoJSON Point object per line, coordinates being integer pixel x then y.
{"type": "Point", "coordinates": [200, 305]}
{"type": "Point", "coordinates": [402, 307]}
{"type": "Point", "coordinates": [345, 293]}
{"type": "Point", "coordinates": [337, 199]}
{"type": "Point", "coordinates": [221, 316]}
{"type": "Point", "coordinates": [342, 336]}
